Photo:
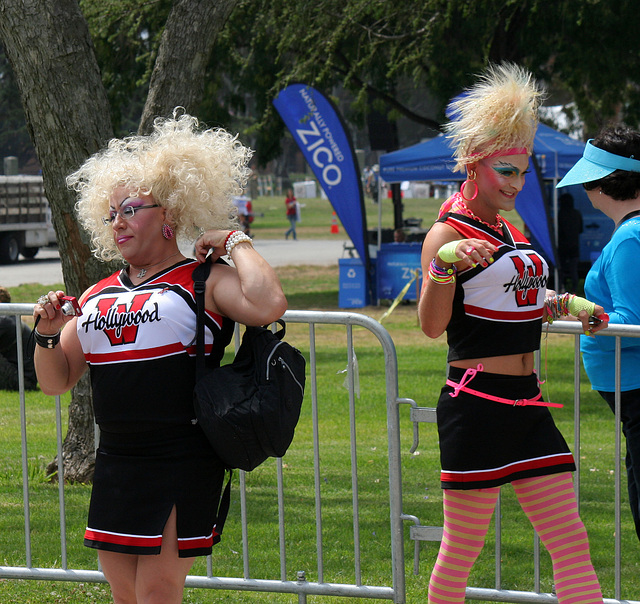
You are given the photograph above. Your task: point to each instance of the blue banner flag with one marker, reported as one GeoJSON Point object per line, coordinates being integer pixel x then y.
{"type": "Point", "coordinates": [318, 130]}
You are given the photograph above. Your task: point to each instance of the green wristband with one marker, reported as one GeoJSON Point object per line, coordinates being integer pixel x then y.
{"type": "Point", "coordinates": [576, 304]}
{"type": "Point", "coordinates": [447, 252]}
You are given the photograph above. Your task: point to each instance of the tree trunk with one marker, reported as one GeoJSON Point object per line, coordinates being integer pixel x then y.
{"type": "Point", "coordinates": [51, 53]}
{"type": "Point", "coordinates": [78, 449]}
{"type": "Point", "coordinates": [65, 104]}
{"type": "Point", "coordinates": [67, 112]}
{"type": "Point", "coordinates": [185, 49]}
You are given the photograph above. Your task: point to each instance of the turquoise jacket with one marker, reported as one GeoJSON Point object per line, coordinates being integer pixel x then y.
{"type": "Point", "coordinates": [614, 283]}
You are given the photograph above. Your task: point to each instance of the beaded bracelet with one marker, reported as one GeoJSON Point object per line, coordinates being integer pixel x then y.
{"type": "Point", "coordinates": [224, 245]}
{"type": "Point", "coordinates": [442, 276]}
{"type": "Point", "coordinates": [556, 307]}
{"type": "Point", "coordinates": [565, 305]}
{"type": "Point", "coordinates": [46, 341]}
{"type": "Point", "coordinates": [233, 239]}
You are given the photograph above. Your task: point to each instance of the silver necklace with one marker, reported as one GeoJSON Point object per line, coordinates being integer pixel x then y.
{"type": "Point", "coordinates": [143, 271]}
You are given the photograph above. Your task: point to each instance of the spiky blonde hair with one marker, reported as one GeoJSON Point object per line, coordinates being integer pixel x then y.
{"type": "Point", "coordinates": [499, 112]}
{"type": "Point", "coordinates": [192, 172]}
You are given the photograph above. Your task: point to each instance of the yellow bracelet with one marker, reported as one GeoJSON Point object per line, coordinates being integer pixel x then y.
{"type": "Point", "coordinates": [447, 252]}
{"type": "Point", "coordinates": [442, 280]}
{"type": "Point", "coordinates": [576, 304]}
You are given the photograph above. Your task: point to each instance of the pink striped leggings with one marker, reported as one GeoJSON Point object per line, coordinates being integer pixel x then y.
{"type": "Point", "coordinates": [550, 504]}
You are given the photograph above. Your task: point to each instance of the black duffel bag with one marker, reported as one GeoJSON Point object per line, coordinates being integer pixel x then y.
{"type": "Point", "coordinates": [249, 408]}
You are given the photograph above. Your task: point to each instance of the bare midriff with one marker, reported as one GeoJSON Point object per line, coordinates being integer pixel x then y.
{"type": "Point", "coordinates": [512, 364]}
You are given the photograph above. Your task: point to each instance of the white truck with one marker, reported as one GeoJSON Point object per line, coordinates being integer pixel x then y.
{"type": "Point", "coordinates": [25, 218]}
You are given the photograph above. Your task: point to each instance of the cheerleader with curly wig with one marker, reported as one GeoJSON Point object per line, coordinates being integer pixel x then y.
{"type": "Point", "coordinates": [157, 481]}
{"type": "Point", "coordinates": [486, 287]}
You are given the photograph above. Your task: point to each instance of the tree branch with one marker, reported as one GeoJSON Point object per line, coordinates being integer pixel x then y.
{"type": "Point", "coordinates": [185, 49]}
{"type": "Point", "coordinates": [373, 33]}
{"type": "Point", "coordinates": [384, 96]}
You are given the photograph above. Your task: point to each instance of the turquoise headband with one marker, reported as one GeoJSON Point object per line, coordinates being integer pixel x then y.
{"type": "Point", "coordinates": [597, 163]}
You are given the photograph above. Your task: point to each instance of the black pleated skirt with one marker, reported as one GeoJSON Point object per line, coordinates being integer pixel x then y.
{"type": "Point", "coordinates": [484, 443]}
{"type": "Point", "coordinates": [140, 477]}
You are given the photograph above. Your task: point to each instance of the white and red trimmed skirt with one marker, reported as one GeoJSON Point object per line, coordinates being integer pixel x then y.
{"type": "Point", "coordinates": [139, 478]}
{"type": "Point", "coordinates": [484, 443]}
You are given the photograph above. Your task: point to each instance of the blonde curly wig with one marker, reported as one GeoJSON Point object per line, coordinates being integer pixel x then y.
{"type": "Point", "coordinates": [192, 172]}
{"type": "Point", "coordinates": [498, 113]}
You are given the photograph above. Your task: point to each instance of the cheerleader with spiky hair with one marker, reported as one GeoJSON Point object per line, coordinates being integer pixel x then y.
{"type": "Point", "coordinates": [486, 287]}
{"type": "Point", "coordinates": [497, 116]}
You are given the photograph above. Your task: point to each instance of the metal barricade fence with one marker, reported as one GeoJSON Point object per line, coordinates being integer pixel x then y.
{"type": "Point", "coordinates": [430, 533]}
{"type": "Point", "coordinates": [299, 584]}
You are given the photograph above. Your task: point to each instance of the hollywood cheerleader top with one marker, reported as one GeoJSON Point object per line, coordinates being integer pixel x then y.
{"type": "Point", "coordinates": [139, 342]}
{"type": "Point", "coordinates": [497, 309]}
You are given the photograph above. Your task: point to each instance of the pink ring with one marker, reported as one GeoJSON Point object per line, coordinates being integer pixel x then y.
{"type": "Point", "coordinates": [470, 250]}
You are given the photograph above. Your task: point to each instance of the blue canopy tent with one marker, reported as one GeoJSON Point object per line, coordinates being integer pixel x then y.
{"type": "Point", "coordinates": [555, 154]}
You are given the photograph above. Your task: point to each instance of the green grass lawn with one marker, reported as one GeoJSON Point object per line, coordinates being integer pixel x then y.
{"type": "Point", "coordinates": [270, 221]}
{"type": "Point", "coordinates": [422, 495]}
{"type": "Point", "coordinates": [421, 366]}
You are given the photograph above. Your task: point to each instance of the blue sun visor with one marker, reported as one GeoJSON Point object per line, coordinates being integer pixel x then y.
{"type": "Point", "coordinates": [597, 163]}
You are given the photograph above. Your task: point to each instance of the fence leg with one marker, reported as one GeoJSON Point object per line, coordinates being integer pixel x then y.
{"type": "Point", "coordinates": [302, 578]}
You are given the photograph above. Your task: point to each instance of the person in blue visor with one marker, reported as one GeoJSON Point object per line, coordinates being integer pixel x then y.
{"type": "Point", "coordinates": [610, 173]}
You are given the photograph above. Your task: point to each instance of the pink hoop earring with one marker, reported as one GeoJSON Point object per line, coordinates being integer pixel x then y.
{"type": "Point", "coordinates": [471, 178]}
{"type": "Point", "coordinates": [167, 231]}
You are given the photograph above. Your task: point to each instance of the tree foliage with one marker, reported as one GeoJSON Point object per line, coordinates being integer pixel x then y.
{"type": "Point", "coordinates": [582, 49]}
{"type": "Point", "coordinates": [126, 36]}
{"type": "Point", "coordinates": [402, 58]}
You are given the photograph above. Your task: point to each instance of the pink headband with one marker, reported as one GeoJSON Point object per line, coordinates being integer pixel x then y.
{"type": "Point", "coordinates": [512, 151]}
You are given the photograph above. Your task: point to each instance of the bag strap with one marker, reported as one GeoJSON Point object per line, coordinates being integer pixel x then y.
{"type": "Point", "coordinates": [223, 506]}
{"type": "Point", "coordinates": [199, 276]}
{"type": "Point", "coordinates": [280, 333]}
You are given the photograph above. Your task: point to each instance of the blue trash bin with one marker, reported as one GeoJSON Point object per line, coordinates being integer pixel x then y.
{"type": "Point", "coordinates": [353, 291]}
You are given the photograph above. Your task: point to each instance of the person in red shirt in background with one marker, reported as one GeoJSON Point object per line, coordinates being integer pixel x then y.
{"type": "Point", "coordinates": [292, 214]}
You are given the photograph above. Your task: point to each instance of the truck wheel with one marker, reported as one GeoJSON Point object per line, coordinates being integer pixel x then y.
{"type": "Point", "coordinates": [29, 252]}
{"type": "Point", "coordinates": [9, 249]}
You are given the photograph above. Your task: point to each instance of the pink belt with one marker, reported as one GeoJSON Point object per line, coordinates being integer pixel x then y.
{"type": "Point", "coordinates": [470, 373]}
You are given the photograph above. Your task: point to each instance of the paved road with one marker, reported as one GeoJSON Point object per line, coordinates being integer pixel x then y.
{"type": "Point", "coordinates": [45, 267]}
